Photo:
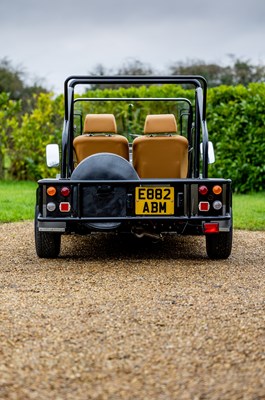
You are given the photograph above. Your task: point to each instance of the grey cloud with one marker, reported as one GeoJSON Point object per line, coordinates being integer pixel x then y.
{"type": "Point", "coordinates": [53, 38]}
{"type": "Point", "coordinates": [112, 12]}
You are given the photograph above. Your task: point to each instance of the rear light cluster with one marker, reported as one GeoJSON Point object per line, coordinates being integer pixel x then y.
{"type": "Point", "coordinates": [64, 191]}
{"type": "Point", "coordinates": [209, 193]}
{"type": "Point", "coordinates": [203, 190]}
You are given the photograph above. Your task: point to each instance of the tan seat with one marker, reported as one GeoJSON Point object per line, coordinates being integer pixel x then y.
{"type": "Point", "coordinates": [159, 154]}
{"type": "Point", "coordinates": [100, 137]}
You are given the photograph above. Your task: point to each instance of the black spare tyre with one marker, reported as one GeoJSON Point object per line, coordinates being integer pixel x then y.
{"type": "Point", "coordinates": [105, 166]}
{"type": "Point", "coordinates": [103, 200]}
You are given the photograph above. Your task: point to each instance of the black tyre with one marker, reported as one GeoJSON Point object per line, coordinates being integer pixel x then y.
{"type": "Point", "coordinates": [219, 245]}
{"type": "Point", "coordinates": [47, 244]}
{"type": "Point", "coordinates": [104, 166]}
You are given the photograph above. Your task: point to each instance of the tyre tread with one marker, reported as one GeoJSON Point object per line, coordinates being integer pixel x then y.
{"type": "Point", "coordinates": [47, 244]}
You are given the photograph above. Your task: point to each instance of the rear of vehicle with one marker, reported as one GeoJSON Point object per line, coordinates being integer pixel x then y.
{"type": "Point", "coordinates": [155, 186]}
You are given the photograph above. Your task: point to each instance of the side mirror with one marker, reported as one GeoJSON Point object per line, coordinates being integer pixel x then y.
{"type": "Point", "coordinates": [211, 156]}
{"type": "Point", "coordinates": [52, 155]}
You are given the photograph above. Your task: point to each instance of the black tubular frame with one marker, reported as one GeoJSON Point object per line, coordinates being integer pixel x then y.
{"type": "Point", "coordinates": [199, 83]}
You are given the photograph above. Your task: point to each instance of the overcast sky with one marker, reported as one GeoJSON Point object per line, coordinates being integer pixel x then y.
{"type": "Point", "coordinates": [53, 39]}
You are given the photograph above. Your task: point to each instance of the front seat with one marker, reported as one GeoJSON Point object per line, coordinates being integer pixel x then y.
{"type": "Point", "coordinates": [160, 152]}
{"type": "Point", "coordinates": [100, 136]}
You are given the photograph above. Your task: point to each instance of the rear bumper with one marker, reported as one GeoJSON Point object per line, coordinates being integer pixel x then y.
{"type": "Point", "coordinates": [180, 225]}
{"type": "Point", "coordinates": [187, 218]}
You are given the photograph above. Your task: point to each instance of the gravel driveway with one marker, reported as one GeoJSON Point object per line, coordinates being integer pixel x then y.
{"type": "Point", "coordinates": [115, 318]}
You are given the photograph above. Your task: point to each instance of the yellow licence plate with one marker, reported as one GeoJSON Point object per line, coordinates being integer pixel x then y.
{"type": "Point", "coordinates": [154, 200]}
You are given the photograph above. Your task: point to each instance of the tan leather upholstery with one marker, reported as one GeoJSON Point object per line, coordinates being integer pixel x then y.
{"type": "Point", "coordinates": [161, 156]}
{"type": "Point", "coordinates": [161, 123]}
{"type": "Point", "coordinates": [87, 144]}
{"type": "Point", "coordinates": [100, 123]}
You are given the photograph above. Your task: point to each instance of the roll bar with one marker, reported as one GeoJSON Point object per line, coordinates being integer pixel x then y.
{"type": "Point", "coordinates": [197, 81]}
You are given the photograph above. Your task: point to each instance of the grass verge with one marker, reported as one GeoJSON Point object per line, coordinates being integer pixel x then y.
{"type": "Point", "coordinates": [17, 203]}
{"type": "Point", "coordinates": [249, 211]}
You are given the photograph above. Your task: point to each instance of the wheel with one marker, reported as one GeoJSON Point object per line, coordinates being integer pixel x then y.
{"type": "Point", "coordinates": [47, 244]}
{"type": "Point", "coordinates": [108, 202]}
{"type": "Point", "coordinates": [219, 245]}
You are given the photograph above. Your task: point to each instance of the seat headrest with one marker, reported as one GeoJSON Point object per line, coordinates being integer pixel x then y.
{"type": "Point", "coordinates": [160, 123]}
{"type": "Point", "coordinates": [100, 123]}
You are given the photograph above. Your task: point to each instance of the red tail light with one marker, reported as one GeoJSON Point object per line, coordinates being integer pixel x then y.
{"type": "Point", "coordinates": [64, 207]}
{"type": "Point", "coordinates": [211, 227]}
{"type": "Point", "coordinates": [65, 191]}
{"type": "Point", "coordinates": [204, 206]}
{"type": "Point", "coordinates": [203, 190]}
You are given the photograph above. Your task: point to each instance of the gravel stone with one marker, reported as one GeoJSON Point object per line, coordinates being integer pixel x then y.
{"type": "Point", "coordinates": [118, 318]}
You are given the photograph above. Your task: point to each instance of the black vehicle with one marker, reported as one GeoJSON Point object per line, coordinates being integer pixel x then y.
{"type": "Point", "coordinates": [154, 186]}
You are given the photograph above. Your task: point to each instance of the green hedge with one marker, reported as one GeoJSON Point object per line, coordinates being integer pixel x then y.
{"type": "Point", "coordinates": [23, 137]}
{"type": "Point", "coordinates": [236, 124]}
{"type": "Point", "coordinates": [235, 117]}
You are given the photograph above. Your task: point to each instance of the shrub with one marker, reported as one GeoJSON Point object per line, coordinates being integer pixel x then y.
{"type": "Point", "coordinates": [236, 123]}
{"type": "Point", "coordinates": [235, 117]}
{"type": "Point", "coordinates": [30, 137]}
{"type": "Point", "coordinates": [9, 119]}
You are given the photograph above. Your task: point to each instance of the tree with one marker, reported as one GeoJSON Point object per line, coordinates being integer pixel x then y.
{"type": "Point", "coordinates": [11, 79]}
{"type": "Point", "coordinates": [129, 67]}
{"type": "Point", "coordinates": [13, 82]}
{"type": "Point", "coordinates": [239, 72]}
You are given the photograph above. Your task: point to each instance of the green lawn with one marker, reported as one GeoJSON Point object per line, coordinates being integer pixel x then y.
{"type": "Point", "coordinates": [249, 211]}
{"type": "Point", "coordinates": [17, 203]}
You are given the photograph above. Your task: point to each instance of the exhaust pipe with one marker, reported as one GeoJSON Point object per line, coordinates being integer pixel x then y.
{"type": "Point", "coordinates": [142, 233]}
